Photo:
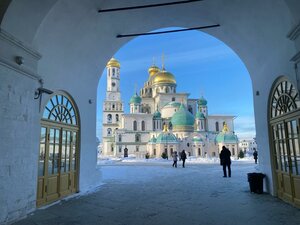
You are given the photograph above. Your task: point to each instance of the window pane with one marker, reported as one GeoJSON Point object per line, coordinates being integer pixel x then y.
{"type": "Point", "coordinates": [63, 152]}
{"type": "Point", "coordinates": [74, 146]}
{"type": "Point", "coordinates": [41, 165]}
{"type": "Point", "coordinates": [68, 149]}
{"type": "Point", "coordinates": [50, 159]}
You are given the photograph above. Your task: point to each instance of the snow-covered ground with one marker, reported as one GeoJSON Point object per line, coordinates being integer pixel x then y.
{"type": "Point", "coordinates": [190, 160]}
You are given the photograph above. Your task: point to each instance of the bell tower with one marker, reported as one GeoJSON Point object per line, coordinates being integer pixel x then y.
{"type": "Point", "coordinates": [112, 107]}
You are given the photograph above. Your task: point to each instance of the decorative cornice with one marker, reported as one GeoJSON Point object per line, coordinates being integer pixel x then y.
{"type": "Point", "coordinates": [19, 69]}
{"type": "Point", "coordinates": [296, 58]}
{"type": "Point", "coordinates": [13, 40]}
{"type": "Point", "coordinates": [294, 32]}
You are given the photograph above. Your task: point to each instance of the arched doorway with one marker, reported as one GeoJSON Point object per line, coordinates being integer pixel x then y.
{"type": "Point", "coordinates": [59, 150]}
{"type": "Point", "coordinates": [284, 118]}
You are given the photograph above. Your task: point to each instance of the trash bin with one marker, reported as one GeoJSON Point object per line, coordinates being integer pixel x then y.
{"type": "Point", "coordinates": [256, 182]}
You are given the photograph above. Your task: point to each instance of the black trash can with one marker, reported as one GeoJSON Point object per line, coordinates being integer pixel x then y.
{"type": "Point", "coordinates": [256, 182]}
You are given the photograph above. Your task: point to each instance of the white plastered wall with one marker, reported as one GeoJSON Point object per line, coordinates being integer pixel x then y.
{"type": "Point", "coordinates": [76, 42]}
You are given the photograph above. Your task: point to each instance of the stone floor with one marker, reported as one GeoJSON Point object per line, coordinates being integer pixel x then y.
{"type": "Point", "coordinates": [159, 194]}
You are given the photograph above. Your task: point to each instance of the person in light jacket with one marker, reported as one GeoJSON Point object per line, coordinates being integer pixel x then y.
{"type": "Point", "coordinates": [175, 158]}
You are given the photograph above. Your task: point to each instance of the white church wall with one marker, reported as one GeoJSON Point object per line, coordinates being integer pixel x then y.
{"type": "Point", "coordinates": [19, 138]}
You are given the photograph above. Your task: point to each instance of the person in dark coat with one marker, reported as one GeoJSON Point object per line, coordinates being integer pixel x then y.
{"type": "Point", "coordinates": [183, 158]}
{"type": "Point", "coordinates": [225, 161]}
{"type": "Point", "coordinates": [175, 158]}
{"type": "Point", "coordinates": [255, 156]}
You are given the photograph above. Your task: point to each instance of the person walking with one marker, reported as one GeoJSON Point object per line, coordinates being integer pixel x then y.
{"type": "Point", "coordinates": [175, 158]}
{"type": "Point", "coordinates": [183, 158]}
{"type": "Point", "coordinates": [255, 154]}
{"type": "Point", "coordinates": [225, 161]}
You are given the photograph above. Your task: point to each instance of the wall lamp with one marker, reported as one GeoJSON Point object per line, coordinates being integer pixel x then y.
{"type": "Point", "coordinates": [40, 91]}
{"type": "Point", "coordinates": [19, 60]}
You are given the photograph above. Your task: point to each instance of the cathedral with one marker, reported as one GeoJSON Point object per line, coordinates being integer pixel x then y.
{"type": "Point", "coordinates": [161, 120]}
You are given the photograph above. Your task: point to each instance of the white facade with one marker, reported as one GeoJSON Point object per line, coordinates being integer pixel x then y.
{"type": "Point", "coordinates": [140, 132]}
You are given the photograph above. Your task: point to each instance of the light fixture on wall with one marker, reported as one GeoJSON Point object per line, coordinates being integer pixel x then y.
{"type": "Point", "coordinates": [19, 60]}
{"type": "Point", "coordinates": [40, 91]}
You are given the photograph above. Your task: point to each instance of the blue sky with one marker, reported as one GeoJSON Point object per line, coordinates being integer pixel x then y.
{"type": "Point", "coordinates": [201, 64]}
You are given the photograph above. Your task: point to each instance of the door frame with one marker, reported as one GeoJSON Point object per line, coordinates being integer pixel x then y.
{"type": "Point", "coordinates": [283, 119]}
{"type": "Point", "coordinates": [51, 124]}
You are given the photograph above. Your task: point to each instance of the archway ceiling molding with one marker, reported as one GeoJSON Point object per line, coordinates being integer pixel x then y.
{"type": "Point", "coordinates": [73, 35]}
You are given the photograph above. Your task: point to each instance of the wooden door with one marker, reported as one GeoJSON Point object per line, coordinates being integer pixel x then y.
{"type": "Point", "coordinates": [57, 170]}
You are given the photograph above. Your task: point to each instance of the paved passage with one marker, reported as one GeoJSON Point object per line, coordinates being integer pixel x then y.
{"type": "Point", "coordinates": [159, 194]}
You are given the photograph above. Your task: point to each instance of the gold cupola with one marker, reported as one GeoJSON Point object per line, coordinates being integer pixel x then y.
{"type": "Point", "coordinates": [164, 76]}
{"type": "Point", "coordinates": [153, 70]}
{"type": "Point", "coordinates": [113, 63]}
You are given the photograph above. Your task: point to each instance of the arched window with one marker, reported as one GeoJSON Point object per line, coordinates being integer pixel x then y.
{"type": "Point", "coordinates": [284, 119]}
{"type": "Point", "coordinates": [117, 117]}
{"type": "Point", "coordinates": [217, 126]}
{"type": "Point", "coordinates": [170, 126]}
{"type": "Point", "coordinates": [108, 131]}
{"type": "Point", "coordinates": [143, 125]}
{"type": "Point", "coordinates": [109, 118]}
{"type": "Point", "coordinates": [59, 148]}
{"type": "Point", "coordinates": [120, 138]}
{"type": "Point", "coordinates": [60, 109]}
{"type": "Point", "coordinates": [134, 125]}
{"type": "Point", "coordinates": [190, 109]}
{"type": "Point", "coordinates": [137, 138]}
{"type": "Point", "coordinates": [173, 99]}
{"type": "Point", "coordinates": [113, 106]}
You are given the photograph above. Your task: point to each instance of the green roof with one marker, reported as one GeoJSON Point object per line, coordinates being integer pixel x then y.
{"type": "Point", "coordinates": [197, 139]}
{"type": "Point", "coordinates": [200, 115]}
{"type": "Point", "coordinates": [156, 115]}
{"type": "Point", "coordinates": [226, 137]}
{"type": "Point", "coordinates": [173, 104]}
{"type": "Point", "coordinates": [202, 101]}
{"type": "Point", "coordinates": [135, 99]}
{"type": "Point", "coordinates": [166, 138]}
{"type": "Point", "coordinates": [182, 117]}
{"type": "Point", "coordinates": [152, 140]}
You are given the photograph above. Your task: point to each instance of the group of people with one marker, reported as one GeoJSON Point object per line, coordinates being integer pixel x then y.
{"type": "Point", "coordinates": [182, 156]}
{"type": "Point", "coordinates": [225, 160]}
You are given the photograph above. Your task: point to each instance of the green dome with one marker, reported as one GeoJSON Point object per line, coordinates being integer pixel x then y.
{"type": "Point", "coordinates": [200, 115]}
{"type": "Point", "coordinates": [197, 139]}
{"type": "Point", "coordinates": [202, 101]}
{"type": "Point", "coordinates": [135, 99]}
{"type": "Point", "coordinates": [157, 115]}
{"type": "Point", "coordinates": [164, 138]}
{"type": "Point", "coordinates": [183, 120]}
{"type": "Point", "coordinates": [226, 137]}
{"type": "Point", "coordinates": [173, 104]}
{"type": "Point", "coordinates": [152, 140]}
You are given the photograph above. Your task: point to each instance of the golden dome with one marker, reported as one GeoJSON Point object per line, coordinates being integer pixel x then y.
{"type": "Point", "coordinates": [153, 70]}
{"type": "Point", "coordinates": [113, 63]}
{"type": "Point", "coordinates": [164, 77]}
